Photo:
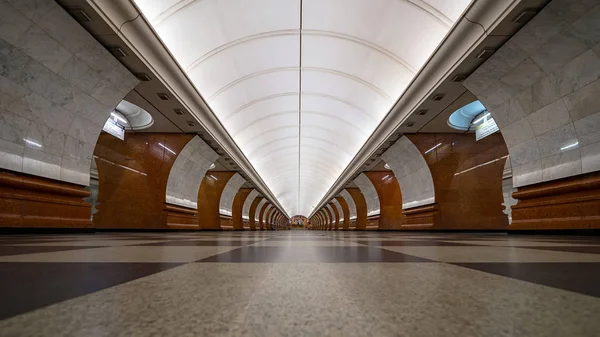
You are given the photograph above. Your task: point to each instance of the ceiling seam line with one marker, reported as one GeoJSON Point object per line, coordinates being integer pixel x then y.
{"type": "Point", "coordinates": [299, 111]}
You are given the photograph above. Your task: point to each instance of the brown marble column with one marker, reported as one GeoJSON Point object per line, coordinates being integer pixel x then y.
{"type": "Point", "coordinates": [209, 197]}
{"type": "Point", "coordinates": [361, 208]}
{"type": "Point", "coordinates": [237, 206]}
{"type": "Point", "coordinates": [390, 198]}
{"type": "Point", "coordinates": [252, 213]}
{"type": "Point", "coordinates": [269, 217]}
{"type": "Point", "coordinates": [132, 178]}
{"type": "Point", "coordinates": [336, 216]}
{"type": "Point", "coordinates": [331, 219]}
{"type": "Point", "coordinates": [467, 177]}
{"type": "Point", "coordinates": [261, 215]}
{"type": "Point", "coordinates": [322, 220]}
{"type": "Point", "coordinates": [346, 212]}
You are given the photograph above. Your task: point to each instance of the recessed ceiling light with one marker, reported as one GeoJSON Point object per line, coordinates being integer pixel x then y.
{"type": "Point", "coordinates": [163, 96]}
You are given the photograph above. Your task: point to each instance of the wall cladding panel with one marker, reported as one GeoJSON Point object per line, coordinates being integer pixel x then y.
{"type": "Point", "coordinates": [58, 86]}
{"type": "Point", "coordinates": [187, 173]}
{"type": "Point", "coordinates": [248, 203]}
{"type": "Point", "coordinates": [368, 190]}
{"type": "Point", "coordinates": [351, 206]}
{"type": "Point", "coordinates": [412, 172]}
{"type": "Point", "coordinates": [543, 89]}
{"type": "Point", "coordinates": [231, 189]}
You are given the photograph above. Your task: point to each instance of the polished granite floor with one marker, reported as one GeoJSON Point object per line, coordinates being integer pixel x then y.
{"type": "Point", "coordinates": [299, 283]}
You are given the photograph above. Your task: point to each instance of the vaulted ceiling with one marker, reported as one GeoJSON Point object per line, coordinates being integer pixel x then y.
{"type": "Point", "coordinates": [300, 85]}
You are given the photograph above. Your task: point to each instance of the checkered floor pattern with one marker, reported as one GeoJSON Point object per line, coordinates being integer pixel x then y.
{"type": "Point", "coordinates": [299, 283]}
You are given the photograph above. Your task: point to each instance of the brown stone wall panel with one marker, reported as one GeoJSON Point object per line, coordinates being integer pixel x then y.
{"type": "Point", "coordinates": [237, 206]}
{"type": "Point", "coordinates": [226, 222]}
{"type": "Point", "coordinates": [179, 217]}
{"type": "Point", "coordinates": [346, 212]}
{"type": "Point", "coordinates": [209, 196]}
{"type": "Point", "coordinates": [261, 215]}
{"type": "Point", "coordinates": [467, 176]}
{"type": "Point", "coordinates": [331, 219]}
{"type": "Point", "coordinates": [336, 215]}
{"type": "Point", "coordinates": [29, 201]}
{"type": "Point", "coordinates": [569, 203]}
{"type": "Point", "coordinates": [252, 213]}
{"type": "Point", "coordinates": [130, 199]}
{"type": "Point", "coordinates": [361, 208]}
{"type": "Point", "coordinates": [390, 199]}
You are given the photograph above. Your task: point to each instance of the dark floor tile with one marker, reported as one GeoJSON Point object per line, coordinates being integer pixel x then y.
{"type": "Point", "coordinates": [29, 286]}
{"type": "Point", "coordinates": [582, 278]}
{"type": "Point", "coordinates": [312, 254]}
{"type": "Point", "coordinates": [423, 243]}
{"type": "Point", "coordinates": [18, 250]}
{"type": "Point", "coordinates": [587, 250]}
{"type": "Point", "coordinates": [200, 243]}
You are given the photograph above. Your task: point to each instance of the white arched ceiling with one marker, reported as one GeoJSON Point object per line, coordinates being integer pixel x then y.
{"type": "Point", "coordinates": [339, 209]}
{"type": "Point", "coordinates": [247, 203]}
{"type": "Point", "coordinates": [301, 85]}
{"type": "Point", "coordinates": [229, 192]}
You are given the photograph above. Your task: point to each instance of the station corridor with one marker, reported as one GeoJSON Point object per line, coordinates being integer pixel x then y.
{"type": "Point", "coordinates": [299, 283]}
{"type": "Point", "coordinates": [300, 168]}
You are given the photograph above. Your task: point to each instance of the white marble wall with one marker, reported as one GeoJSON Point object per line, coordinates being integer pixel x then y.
{"type": "Point", "coordinates": [231, 188]}
{"type": "Point", "coordinates": [412, 172]}
{"type": "Point", "coordinates": [332, 219]}
{"type": "Point", "coordinates": [351, 205]}
{"type": "Point", "coordinates": [543, 89]}
{"type": "Point", "coordinates": [369, 192]}
{"type": "Point", "coordinates": [257, 212]}
{"type": "Point", "coordinates": [58, 86]}
{"type": "Point", "coordinates": [187, 173]}
{"type": "Point", "coordinates": [247, 203]}
{"type": "Point", "coordinates": [339, 209]}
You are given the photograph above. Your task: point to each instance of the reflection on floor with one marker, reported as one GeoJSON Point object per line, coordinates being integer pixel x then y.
{"type": "Point", "coordinates": [299, 283]}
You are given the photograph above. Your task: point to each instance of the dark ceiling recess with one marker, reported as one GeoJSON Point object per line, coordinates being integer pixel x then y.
{"type": "Point", "coordinates": [143, 77]}
{"type": "Point", "coordinates": [459, 78]}
{"type": "Point", "coordinates": [485, 53]}
{"type": "Point", "coordinates": [422, 112]}
{"type": "Point", "coordinates": [79, 14]}
{"type": "Point", "coordinates": [437, 97]}
{"type": "Point", "coordinates": [525, 16]}
{"type": "Point", "coordinates": [117, 51]}
{"type": "Point", "coordinates": [190, 123]}
{"type": "Point", "coordinates": [410, 124]}
{"type": "Point", "coordinates": [163, 96]}
{"type": "Point", "coordinates": [179, 112]}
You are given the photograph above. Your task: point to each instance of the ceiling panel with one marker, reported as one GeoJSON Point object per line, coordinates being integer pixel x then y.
{"type": "Point", "coordinates": [301, 85]}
